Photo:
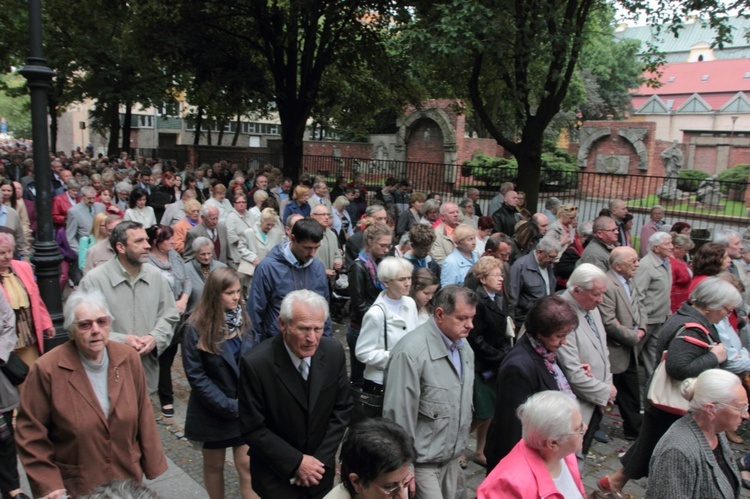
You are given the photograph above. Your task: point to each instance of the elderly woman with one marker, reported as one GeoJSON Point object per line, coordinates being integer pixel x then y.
{"type": "Point", "coordinates": [490, 343]}
{"type": "Point", "coordinates": [86, 402]}
{"type": "Point", "coordinates": [192, 209]}
{"type": "Point", "coordinates": [467, 212]}
{"type": "Point", "coordinates": [411, 216]}
{"type": "Point", "coordinates": [530, 367]}
{"type": "Point", "coordinates": [342, 221]}
{"type": "Point", "coordinates": [564, 228]}
{"type": "Point", "coordinates": [163, 256]}
{"type": "Point", "coordinates": [376, 458]}
{"type": "Point", "coordinates": [543, 463]}
{"type": "Point", "coordinates": [693, 458]}
{"type": "Point", "coordinates": [257, 241]}
{"type": "Point", "coordinates": [655, 224]}
{"type": "Point", "coordinates": [198, 268]}
{"type": "Point", "coordinates": [219, 200]}
{"type": "Point", "coordinates": [457, 264]}
{"type": "Point", "coordinates": [298, 203]}
{"type": "Point", "coordinates": [710, 302]}
{"type": "Point", "coordinates": [365, 286]}
{"type": "Point", "coordinates": [138, 211]}
{"type": "Point", "coordinates": [392, 316]}
{"type": "Point", "coordinates": [216, 336]}
{"type": "Point", "coordinates": [431, 213]}
{"type": "Point", "coordinates": [682, 275]}
{"type": "Point", "coordinates": [33, 322]}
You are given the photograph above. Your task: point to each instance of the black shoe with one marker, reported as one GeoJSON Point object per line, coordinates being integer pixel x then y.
{"type": "Point", "coordinates": [602, 437]}
{"type": "Point", "coordinates": [630, 438]}
{"type": "Point", "coordinates": [167, 412]}
{"type": "Point", "coordinates": [21, 495]}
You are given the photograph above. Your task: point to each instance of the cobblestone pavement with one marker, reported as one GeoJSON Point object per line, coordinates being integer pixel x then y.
{"type": "Point", "coordinates": [602, 460]}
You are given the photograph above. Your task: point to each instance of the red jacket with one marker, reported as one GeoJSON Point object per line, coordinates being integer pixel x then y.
{"type": "Point", "coordinates": [39, 313]}
{"type": "Point", "coordinates": [60, 206]}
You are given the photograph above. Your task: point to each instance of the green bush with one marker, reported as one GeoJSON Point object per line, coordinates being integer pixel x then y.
{"type": "Point", "coordinates": [559, 171]}
{"type": "Point", "coordinates": [735, 178]}
{"type": "Point", "coordinates": [492, 171]}
{"type": "Point", "coordinates": [689, 180]}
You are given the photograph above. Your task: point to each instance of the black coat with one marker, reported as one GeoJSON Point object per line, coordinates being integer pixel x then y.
{"type": "Point", "coordinates": [281, 422]}
{"type": "Point", "coordinates": [505, 219]}
{"type": "Point", "coordinates": [521, 375]}
{"type": "Point", "coordinates": [362, 291]}
{"type": "Point", "coordinates": [212, 413]}
{"type": "Point", "coordinates": [487, 338]}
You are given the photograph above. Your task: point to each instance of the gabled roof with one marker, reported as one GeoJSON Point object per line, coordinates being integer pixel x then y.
{"type": "Point", "coordinates": [690, 35]}
{"type": "Point", "coordinates": [731, 75]}
{"type": "Point", "coordinates": [653, 105]}
{"type": "Point", "coordinates": [738, 104]}
{"type": "Point", "coordinates": [695, 104]}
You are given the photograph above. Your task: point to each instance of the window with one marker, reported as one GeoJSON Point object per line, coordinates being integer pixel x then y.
{"type": "Point", "coordinates": [254, 141]}
{"type": "Point", "coordinates": [170, 109]}
{"type": "Point", "coordinates": [670, 103]}
{"type": "Point", "coordinates": [144, 121]}
{"type": "Point", "coordinates": [671, 79]}
{"type": "Point", "coordinates": [704, 78]}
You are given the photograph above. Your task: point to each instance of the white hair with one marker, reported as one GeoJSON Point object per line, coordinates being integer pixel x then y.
{"type": "Point", "coordinates": [658, 238]}
{"type": "Point", "coordinates": [92, 300]}
{"type": "Point", "coordinates": [305, 296]}
{"type": "Point", "coordinates": [585, 275]}
{"type": "Point", "coordinates": [390, 267]}
{"type": "Point", "coordinates": [713, 293]}
{"type": "Point", "coordinates": [548, 244]}
{"type": "Point", "coordinates": [710, 387]}
{"type": "Point", "coordinates": [723, 236]}
{"type": "Point", "coordinates": [546, 415]}
{"type": "Point", "coordinates": [200, 242]}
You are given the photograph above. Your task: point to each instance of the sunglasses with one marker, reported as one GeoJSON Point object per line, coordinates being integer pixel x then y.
{"type": "Point", "coordinates": [88, 324]}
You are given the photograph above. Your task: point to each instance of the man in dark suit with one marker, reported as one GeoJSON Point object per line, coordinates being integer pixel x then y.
{"type": "Point", "coordinates": [294, 402]}
{"type": "Point", "coordinates": [211, 228]}
{"type": "Point", "coordinates": [621, 314]}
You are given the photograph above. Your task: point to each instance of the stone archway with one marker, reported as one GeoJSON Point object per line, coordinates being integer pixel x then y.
{"type": "Point", "coordinates": [633, 134]}
{"type": "Point", "coordinates": [424, 122]}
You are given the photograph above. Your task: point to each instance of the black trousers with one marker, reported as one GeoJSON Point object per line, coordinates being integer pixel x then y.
{"type": "Point", "coordinates": [588, 437]}
{"type": "Point", "coordinates": [8, 460]}
{"type": "Point", "coordinates": [629, 398]}
{"type": "Point", "coordinates": [166, 393]}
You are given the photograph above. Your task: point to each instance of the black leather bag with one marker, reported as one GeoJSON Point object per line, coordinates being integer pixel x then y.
{"type": "Point", "coordinates": [15, 369]}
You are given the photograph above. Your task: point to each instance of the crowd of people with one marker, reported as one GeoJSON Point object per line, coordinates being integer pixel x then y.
{"type": "Point", "coordinates": [522, 327]}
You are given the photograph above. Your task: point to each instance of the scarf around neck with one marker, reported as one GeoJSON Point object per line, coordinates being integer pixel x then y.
{"type": "Point", "coordinates": [372, 268]}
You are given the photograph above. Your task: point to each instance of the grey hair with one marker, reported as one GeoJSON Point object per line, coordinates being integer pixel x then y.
{"type": "Point", "coordinates": [723, 236]}
{"type": "Point", "coordinates": [123, 187]}
{"type": "Point", "coordinates": [657, 239]}
{"type": "Point", "coordinates": [444, 207]}
{"type": "Point", "coordinates": [586, 229]}
{"type": "Point", "coordinates": [546, 415]}
{"type": "Point", "coordinates": [206, 209]}
{"type": "Point", "coordinates": [200, 242]}
{"type": "Point", "coordinates": [259, 196]}
{"type": "Point", "coordinates": [430, 205]}
{"type": "Point", "coordinates": [552, 202]}
{"type": "Point", "coordinates": [390, 267]}
{"type": "Point", "coordinates": [341, 202]}
{"type": "Point", "coordinates": [472, 190]}
{"type": "Point", "coordinates": [745, 246]}
{"type": "Point", "coordinates": [713, 293]}
{"type": "Point", "coordinates": [710, 387]}
{"type": "Point", "coordinates": [585, 275]}
{"type": "Point", "coordinates": [447, 298]}
{"type": "Point", "coordinates": [87, 189]}
{"type": "Point", "coordinates": [268, 214]}
{"type": "Point", "coordinates": [122, 489]}
{"type": "Point", "coordinates": [7, 240]}
{"type": "Point", "coordinates": [311, 298]}
{"type": "Point", "coordinates": [93, 299]}
{"type": "Point", "coordinates": [684, 241]}
{"type": "Point", "coordinates": [73, 184]}
{"type": "Point", "coordinates": [548, 244]}
{"type": "Point", "coordinates": [373, 208]}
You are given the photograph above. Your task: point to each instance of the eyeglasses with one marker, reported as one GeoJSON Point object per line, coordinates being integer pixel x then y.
{"type": "Point", "coordinates": [393, 491]}
{"type": "Point", "coordinates": [742, 409]}
{"type": "Point", "coordinates": [613, 231]}
{"type": "Point", "coordinates": [88, 324]}
{"type": "Point", "coordinates": [581, 430]}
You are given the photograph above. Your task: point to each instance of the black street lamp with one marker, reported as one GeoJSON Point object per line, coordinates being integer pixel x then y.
{"type": "Point", "coordinates": [47, 257]}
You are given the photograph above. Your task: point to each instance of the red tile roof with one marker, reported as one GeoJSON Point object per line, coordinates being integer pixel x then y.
{"type": "Point", "coordinates": [724, 76]}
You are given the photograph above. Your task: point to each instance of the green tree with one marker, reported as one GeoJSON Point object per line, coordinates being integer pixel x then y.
{"type": "Point", "coordinates": [14, 107]}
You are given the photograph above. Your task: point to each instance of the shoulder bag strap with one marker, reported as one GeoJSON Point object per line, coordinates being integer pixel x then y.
{"type": "Point", "coordinates": [696, 341]}
{"type": "Point", "coordinates": [385, 325]}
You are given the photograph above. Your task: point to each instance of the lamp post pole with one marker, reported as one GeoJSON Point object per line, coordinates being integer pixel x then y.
{"type": "Point", "coordinates": [47, 257]}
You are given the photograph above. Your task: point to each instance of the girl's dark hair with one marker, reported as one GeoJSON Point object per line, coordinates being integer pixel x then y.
{"type": "Point", "coordinates": [13, 200]}
{"type": "Point", "coordinates": [136, 194]}
{"type": "Point", "coordinates": [709, 259]}
{"type": "Point", "coordinates": [208, 315]}
{"type": "Point", "coordinates": [158, 233]}
{"type": "Point", "coordinates": [372, 448]}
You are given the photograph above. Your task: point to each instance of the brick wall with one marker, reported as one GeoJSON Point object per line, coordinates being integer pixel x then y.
{"type": "Point", "coordinates": [358, 150]}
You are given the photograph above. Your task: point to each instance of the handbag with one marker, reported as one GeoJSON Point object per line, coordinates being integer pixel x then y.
{"type": "Point", "coordinates": [368, 404]}
{"type": "Point", "coordinates": [15, 369]}
{"type": "Point", "coordinates": [663, 391]}
{"type": "Point", "coordinates": [246, 268]}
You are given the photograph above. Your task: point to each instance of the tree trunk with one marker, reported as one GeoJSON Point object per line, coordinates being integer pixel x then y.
{"type": "Point", "coordinates": [126, 127]}
{"type": "Point", "coordinates": [220, 139]}
{"type": "Point", "coordinates": [113, 114]}
{"type": "Point", "coordinates": [529, 157]}
{"type": "Point", "coordinates": [198, 125]}
{"type": "Point", "coordinates": [208, 134]}
{"type": "Point", "coordinates": [237, 130]}
{"type": "Point", "coordinates": [292, 134]}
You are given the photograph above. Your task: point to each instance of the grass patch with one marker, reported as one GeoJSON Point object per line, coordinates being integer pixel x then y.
{"type": "Point", "coordinates": [731, 208]}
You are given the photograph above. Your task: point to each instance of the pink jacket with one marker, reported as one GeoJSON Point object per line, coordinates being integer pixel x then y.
{"type": "Point", "coordinates": [522, 474]}
{"type": "Point", "coordinates": [42, 320]}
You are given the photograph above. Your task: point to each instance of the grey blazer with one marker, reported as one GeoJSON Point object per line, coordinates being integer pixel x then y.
{"type": "Point", "coordinates": [654, 283]}
{"type": "Point", "coordinates": [200, 230]}
{"type": "Point", "coordinates": [620, 315]}
{"type": "Point", "coordinates": [78, 222]}
{"type": "Point", "coordinates": [583, 347]}
{"type": "Point", "coordinates": [597, 254]}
